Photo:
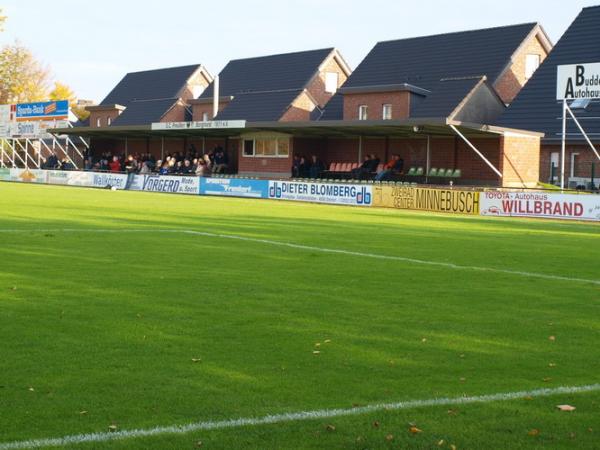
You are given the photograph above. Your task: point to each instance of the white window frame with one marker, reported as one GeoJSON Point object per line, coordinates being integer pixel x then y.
{"type": "Point", "coordinates": [205, 117]}
{"type": "Point", "coordinates": [331, 85]}
{"type": "Point", "coordinates": [532, 63]}
{"type": "Point", "coordinates": [108, 121]}
{"type": "Point", "coordinates": [266, 138]}
{"type": "Point", "coordinates": [363, 112]}
{"type": "Point", "coordinates": [386, 107]}
{"type": "Point", "coordinates": [98, 122]}
{"type": "Point", "coordinates": [574, 156]}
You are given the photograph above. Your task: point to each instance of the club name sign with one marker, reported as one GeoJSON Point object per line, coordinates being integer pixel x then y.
{"type": "Point", "coordinates": [578, 81]}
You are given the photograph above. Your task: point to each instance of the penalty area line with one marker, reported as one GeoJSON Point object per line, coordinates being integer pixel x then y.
{"type": "Point", "coordinates": [404, 259]}
{"type": "Point", "coordinates": [290, 417]}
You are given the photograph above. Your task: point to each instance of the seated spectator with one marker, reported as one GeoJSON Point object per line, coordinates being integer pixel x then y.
{"type": "Point", "coordinates": [394, 166]}
{"type": "Point", "coordinates": [66, 165]}
{"type": "Point", "coordinates": [316, 167]}
{"type": "Point", "coordinates": [220, 163]}
{"type": "Point", "coordinates": [296, 166]}
{"type": "Point", "coordinates": [52, 162]}
{"type": "Point", "coordinates": [364, 168]}
{"type": "Point", "coordinates": [187, 168]}
{"type": "Point", "coordinates": [303, 168]}
{"type": "Point", "coordinates": [165, 169]}
{"type": "Point", "coordinates": [178, 168]}
{"type": "Point", "coordinates": [145, 170]}
{"type": "Point", "coordinates": [115, 165]}
{"type": "Point", "coordinates": [87, 164]}
{"type": "Point", "coordinates": [203, 170]}
{"type": "Point", "coordinates": [157, 166]}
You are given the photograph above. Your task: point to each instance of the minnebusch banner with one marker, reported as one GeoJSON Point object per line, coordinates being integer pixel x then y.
{"type": "Point", "coordinates": [425, 199]}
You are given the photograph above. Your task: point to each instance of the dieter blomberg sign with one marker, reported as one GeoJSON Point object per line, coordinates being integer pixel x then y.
{"type": "Point", "coordinates": [578, 81]}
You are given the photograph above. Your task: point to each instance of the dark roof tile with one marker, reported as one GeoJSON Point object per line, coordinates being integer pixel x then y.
{"type": "Point", "coordinates": [259, 106]}
{"type": "Point", "coordinates": [144, 112]}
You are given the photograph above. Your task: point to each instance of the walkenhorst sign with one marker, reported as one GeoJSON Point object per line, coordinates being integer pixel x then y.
{"type": "Point", "coordinates": [211, 125]}
{"type": "Point", "coordinates": [578, 81]}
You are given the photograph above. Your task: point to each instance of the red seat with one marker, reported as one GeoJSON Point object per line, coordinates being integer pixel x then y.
{"type": "Point", "coordinates": [332, 167]}
{"type": "Point", "coordinates": [346, 167]}
{"type": "Point", "coordinates": [337, 167]}
{"type": "Point", "coordinates": [354, 166]}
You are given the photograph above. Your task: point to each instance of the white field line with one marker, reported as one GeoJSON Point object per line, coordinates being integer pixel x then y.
{"type": "Point", "coordinates": [425, 262]}
{"type": "Point", "coordinates": [289, 417]}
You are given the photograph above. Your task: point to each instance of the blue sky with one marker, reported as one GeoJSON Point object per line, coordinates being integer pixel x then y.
{"type": "Point", "coordinates": [91, 45]}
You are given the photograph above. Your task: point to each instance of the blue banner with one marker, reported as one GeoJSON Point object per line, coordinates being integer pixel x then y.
{"type": "Point", "coordinates": [234, 187]}
{"type": "Point", "coordinates": [42, 110]}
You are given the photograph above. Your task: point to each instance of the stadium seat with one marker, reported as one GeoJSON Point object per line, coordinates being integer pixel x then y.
{"type": "Point", "coordinates": [419, 172]}
{"type": "Point", "coordinates": [337, 167]}
{"type": "Point", "coordinates": [412, 172]}
{"type": "Point", "coordinates": [354, 166]}
{"type": "Point", "coordinates": [441, 173]}
{"type": "Point", "coordinates": [457, 173]}
{"type": "Point", "coordinates": [433, 172]}
{"type": "Point", "coordinates": [332, 167]}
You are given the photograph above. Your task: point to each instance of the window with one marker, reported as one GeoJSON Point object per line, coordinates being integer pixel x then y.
{"type": "Point", "coordinates": [267, 147]}
{"type": "Point", "coordinates": [574, 158]}
{"type": "Point", "coordinates": [363, 112]}
{"type": "Point", "coordinates": [108, 121]}
{"type": "Point", "coordinates": [386, 113]}
{"type": "Point", "coordinates": [204, 117]}
{"type": "Point", "coordinates": [532, 62]}
{"type": "Point", "coordinates": [331, 82]}
{"type": "Point", "coordinates": [98, 122]}
{"type": "Point", "coordinates": [197, 89]}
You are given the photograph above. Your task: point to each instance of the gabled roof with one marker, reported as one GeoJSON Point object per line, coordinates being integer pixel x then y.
{"type": "Point", "coordinates": [424, 61]}
{"type": "Point", "coordinates": [151, 84]}
{"type": "Point", "coordinates": [334, 109]}
{"type": "Point", "coordinates": [446, 97]}
{"type": "Point", "coordinates": [536, 108]}
{"type": "Point", "coordinates": [269, 73]}
{"type": "Point", "coordinates": [259, 106]}
{"type": "Point", "coordinates": [142, 112]}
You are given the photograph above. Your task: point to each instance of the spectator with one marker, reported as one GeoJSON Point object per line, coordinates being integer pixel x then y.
{"type": "Point", "coordinates": [316, 167]}
{"type": "Point", "coordinates": [220, 165]}
{"type": "Point", "coordinates": [87, 164]}
{"type": "Point", "coordinates": [145, 170]}
{"type": "Point", "coordinates": [157, 166]}
{"type": "Point", "coordinates": [394, 166]}
{"type": "Point", "coordinates": [296, 166]}
{"type": "Point", "coordinates": [208, 161]}
{"type": "Point", "coordinates": [115, 165]}
{"type": "Point", "coordinates": [187, 168]}
{"type": "Point", "coordinates": [165, 169]}
{"type": "Point", "coordinates": [132, 164]}
{"type": "Point", "coordinates": [363, 168]}
{"type": "Point", "coordinates": [178, 168]}
{"type": "Point", "coordinates": [203, 170]}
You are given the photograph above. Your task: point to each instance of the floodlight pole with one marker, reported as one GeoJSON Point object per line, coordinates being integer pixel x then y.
{"type": "Point", "coordinates": [563, 145]}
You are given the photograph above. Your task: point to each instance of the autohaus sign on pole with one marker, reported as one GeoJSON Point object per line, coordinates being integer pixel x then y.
{"type": "Point", "coordinates": [578, 83]}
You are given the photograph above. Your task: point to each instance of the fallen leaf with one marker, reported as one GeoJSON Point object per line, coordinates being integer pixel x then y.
{"type": "Point", "coordinates": [31, 389]}
{"type": "Point", "coordinates": [83, 412]}
{"type": "Point", "coordinates": [196, 360]}
{"type": "Point", "coordinates": [415, 430]}
{"type": "Point", "coordinates": [566, 408]}
{"type": "Point", "coordinates": [375, 424]}
{"type": "Point", "coordinates": [199, 444]}
{"type": "Point", "coordinates": [463, 379]}
{"type": "Point", "coordinates": [462, 356]}
{"type": "Point", "coordinates": [534, 432]}
{"type": "Point", "coordinates": [318, 344]}
{"type": "Point", "coordinates": [330, 427]}
{"type": "Point", "coordinates": [552, 338]}
{"type": "Point", "coordinates": [14, 288]}
{"type": "Point", "coordinates": [389, 437]}
{"type": "Point", "coordinates": [316, 352]}
{"type": "Point", "coordinates": [590, 430]}
{"type": "Point", "coordinates": [572, 435]}
{"type": "Point", "coordinates": [327, 341]}
{"type": "Point", "coordinates": [452, 412]}
{"type": "Point", "coordinates": [441, 442]}
{"type": "Point", "coordinates": [547, 380]}
{"type": "Point", "coordinates": [112, 428]}
{"type": "Point", "coordinates": [529, 397]}
{"type": "Point", "coordinates": [359, 439]}
{"type": "Point", "coordinates": [452, 447]}
{"type": "Point", "coordinates": [552, 365]}
{"type": "Point", "coordinates": [424, 340]}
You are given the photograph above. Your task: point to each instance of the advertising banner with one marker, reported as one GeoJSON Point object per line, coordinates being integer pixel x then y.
{"type": "Point", "coordinates": [336, 194]}
{"type": "Point", "coordinates": [42, 110]}
{"type": "Point", "coordinates": [28, 175]}
{"type": "Point", "coordinates": [5, 120]}
{"type": "Point", "coordinates": [425, 199]}
{"type": "Point", "coordinates": [234, 187]}
{"type": "Point", "coordinates": [4, 174]}
{"type": "Point", "coordinates": [539, 204]}
{"type": "Point", "coordinates": [166, 183]}
{"type": "Point", "coordinates": [105, 180]}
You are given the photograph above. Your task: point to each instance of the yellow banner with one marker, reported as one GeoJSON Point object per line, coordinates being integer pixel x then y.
{"type": "Point", "coordinates": [425, 199]}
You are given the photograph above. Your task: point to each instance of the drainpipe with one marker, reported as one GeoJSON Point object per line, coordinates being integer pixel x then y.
{"type": "Point", "coordinates": [215, 97]}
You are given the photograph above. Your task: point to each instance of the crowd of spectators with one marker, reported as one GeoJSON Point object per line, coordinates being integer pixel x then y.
{"type": "Point", "coordinates": [190, 163]}
{"type": "Point", "coordinates": [303, 168]}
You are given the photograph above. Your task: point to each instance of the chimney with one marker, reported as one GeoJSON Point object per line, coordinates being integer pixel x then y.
{"type": "Point", "coordinates": [215, 97]}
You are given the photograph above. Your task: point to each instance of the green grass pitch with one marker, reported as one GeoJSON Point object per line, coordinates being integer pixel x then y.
{"type": "Point", "coordinates": [151, 328]}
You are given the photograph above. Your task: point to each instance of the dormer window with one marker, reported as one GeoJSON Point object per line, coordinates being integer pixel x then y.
{"type": "Point", "coordinates": [331, 82]}
{"type": "Point", "coordinates": [532, 62]}
{"type": "Point", "coordinates": [386, 112]}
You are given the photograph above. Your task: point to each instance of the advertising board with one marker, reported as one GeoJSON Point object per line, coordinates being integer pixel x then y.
{"type": "Point", "coordinates": [424, 199]}
{"type": "Point", "coordinates": [336, 194]}
{"type": "Point", "coordinates": [234, 187]}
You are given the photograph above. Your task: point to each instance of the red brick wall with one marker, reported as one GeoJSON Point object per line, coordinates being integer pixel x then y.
{"type": "Point", "coordinates": [199, 110]}
{"type": "Point", "coordinates": [175, 114]}
{"type": "Point", "coordinates": [300, 109]}
{"type": "Point", "coordinates": [583, 162]}
{"type": "Point", "coordinates": [400, 102]}
{"type": "Point", "coordinates": [103, 116]}
{"type": "Point", "coordinates": [509, 85]}
{"type": "Point", "coordinates": [520, 164]}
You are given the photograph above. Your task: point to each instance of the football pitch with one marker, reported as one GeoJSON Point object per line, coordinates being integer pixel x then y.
{"type": "Point", "coordinates": [147, 321]}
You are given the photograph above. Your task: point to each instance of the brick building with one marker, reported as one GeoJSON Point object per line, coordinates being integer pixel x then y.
{"type": "Point", "coordinates": [536, 107]}
{"type": "Point", "coordinates": [429, 100]}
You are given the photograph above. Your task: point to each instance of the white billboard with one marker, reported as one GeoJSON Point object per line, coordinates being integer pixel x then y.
{"type": "Point", "coordinates": [578, 81]}
{"type": "Point", "coordinates": [210, 125]}
{"type": "Point", "coordinates": [540, 205]}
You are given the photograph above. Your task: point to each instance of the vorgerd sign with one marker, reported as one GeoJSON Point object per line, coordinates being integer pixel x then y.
{"type": "Point", "coordinates": [578, 81]}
